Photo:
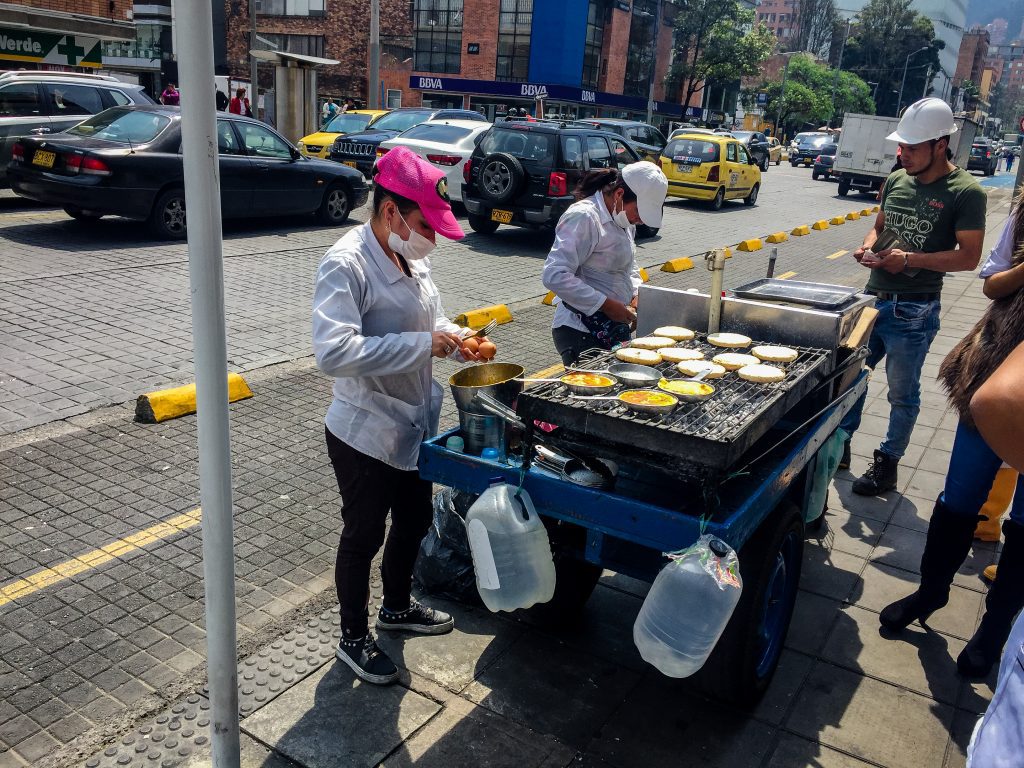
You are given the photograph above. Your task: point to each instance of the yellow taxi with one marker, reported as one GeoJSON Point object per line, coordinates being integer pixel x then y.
{"type": "Point", "coordinates": [319, 144]}
{"type": "Point", "coordinates": [710, 167]}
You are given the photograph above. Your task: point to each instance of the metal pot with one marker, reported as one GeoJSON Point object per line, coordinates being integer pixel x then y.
{"type": "Point", "coordinates": [495, 379]}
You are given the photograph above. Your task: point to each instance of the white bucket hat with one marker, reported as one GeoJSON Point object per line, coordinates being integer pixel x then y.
{"type": "Point", "coordinates": [923, 121]}
{"type": "Point", "coordinates": [650, 186]}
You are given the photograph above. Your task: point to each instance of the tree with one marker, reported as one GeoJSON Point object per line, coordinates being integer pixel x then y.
{"type": "Point", "coordinates": [971, 95]}
{"type": "Point", "coordinates": [813, 22]}
{"type": "Point", "coordinates": [809, 89]}
{"type": "Point", "coordinates": [715, 41]}
{"type": "Point", "coordinates": [888, 31]}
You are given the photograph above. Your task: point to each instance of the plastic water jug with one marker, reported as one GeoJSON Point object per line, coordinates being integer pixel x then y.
{"type": "Point", "coordinates": [688, 607]}
{"type": "Point", "coordinates": [510, 547]}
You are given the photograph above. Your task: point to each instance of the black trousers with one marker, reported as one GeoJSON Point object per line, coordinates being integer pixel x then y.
{"type": "Point", "coordinates": [571, 343]}
{"type": "Point", "coordinates": [369, 490]}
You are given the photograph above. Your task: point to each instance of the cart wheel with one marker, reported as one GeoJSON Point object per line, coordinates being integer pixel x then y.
{"type": "Point", "coordinates": [742, 664]}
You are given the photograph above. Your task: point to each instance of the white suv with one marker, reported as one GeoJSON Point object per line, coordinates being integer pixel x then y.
{"type": "Point", "coordinates": [47, 102]}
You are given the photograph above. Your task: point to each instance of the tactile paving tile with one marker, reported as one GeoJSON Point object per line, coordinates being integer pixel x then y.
{"type": "Point", "coordinates": [169, 739]}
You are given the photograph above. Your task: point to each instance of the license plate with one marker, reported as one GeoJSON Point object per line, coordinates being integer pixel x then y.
{"type": "Point", "coordinates": [349, 163]}
{"type": "Point", "coordinates": [808, 161]}
{"type": "Point", "coordinates": [684, 168]}
{"type": "Point", "coordinates": [44, 159]}
{"type": "Point", "coordinates": [503, 217]}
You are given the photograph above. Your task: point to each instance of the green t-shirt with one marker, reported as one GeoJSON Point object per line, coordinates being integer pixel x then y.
{"type": "Point", "coordinates": [928, 216]}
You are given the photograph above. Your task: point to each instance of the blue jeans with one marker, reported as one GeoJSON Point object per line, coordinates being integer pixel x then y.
{"type": "Point", "coordinates": [972, 469]}
{"type": "Point", "coordinates": [902, 335]}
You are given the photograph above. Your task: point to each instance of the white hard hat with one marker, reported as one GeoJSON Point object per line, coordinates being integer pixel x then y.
{"type": "Point", "coordinates": [650, 186]}
{"type": "Point", "coordinates": [923, 121]}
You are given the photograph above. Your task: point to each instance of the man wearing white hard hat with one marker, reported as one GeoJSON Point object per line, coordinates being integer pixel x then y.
{"type": "Point", "coordinates": [936, 211]}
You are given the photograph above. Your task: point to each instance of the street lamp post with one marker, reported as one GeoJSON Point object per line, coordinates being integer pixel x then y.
{"type": "Point", "coordinates": [654, 64]}
{"type": "Point", "coordinates": [839, 66]}
{"type": "Point", "coordinates": [903, 82]}
{"type": "Point", "coordinates": [782, 92]}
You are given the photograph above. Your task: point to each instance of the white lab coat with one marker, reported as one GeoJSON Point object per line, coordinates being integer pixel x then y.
{"type": "Point", "coordinates": [998, 738]}
{"type": "Point", "coordinates": [372, 330]}
{"type": "Point", "coordinates": [592, 258]}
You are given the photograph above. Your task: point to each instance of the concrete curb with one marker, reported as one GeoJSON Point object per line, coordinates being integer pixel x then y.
{"type": "Point", "coordinates": [478, 318]}
{"type": "Point", "coordinates": [800, 231]}
{"type": "Point", "coordinates": [677, 265]}
{"type": "Point", "coordinates": [867, 212]}
{"type": "Point", "coordinates": [778, 237]}
{"type": "Point", "coordinates": [754, 244]}
{"type": "Point", "coordinates": [837, 220]}
{"type": "Point", "coordinates": [164, 404]}
{"type": "Point", "coordinates": [852, 216]}
{"type": "Point", "coordinates": [819, 225]}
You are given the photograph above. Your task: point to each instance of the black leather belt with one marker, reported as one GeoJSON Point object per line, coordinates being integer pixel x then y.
{"type": "Point", "coordinates": [897, 297]}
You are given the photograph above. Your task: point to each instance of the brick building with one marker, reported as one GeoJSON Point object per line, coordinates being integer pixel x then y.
{"type": "Point", "coordinates": [970, 63]}
{"type": "Point", "coordinates": [584, 58]}
{"type": "Point", "coordinates": [780, 17]}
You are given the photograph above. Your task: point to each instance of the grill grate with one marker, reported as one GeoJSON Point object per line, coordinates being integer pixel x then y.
{"type": "Point", "coordinates": [713, 431]}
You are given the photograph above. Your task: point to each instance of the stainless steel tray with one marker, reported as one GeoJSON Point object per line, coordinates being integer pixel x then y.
{"type": "Point", "coordinates": [818, 295]}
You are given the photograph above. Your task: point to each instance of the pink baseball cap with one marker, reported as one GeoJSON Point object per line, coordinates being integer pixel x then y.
{"type": "Point", "coordinates": [405, 173]}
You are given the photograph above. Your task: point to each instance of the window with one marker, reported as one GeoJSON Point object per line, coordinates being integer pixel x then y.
{"type": "Point", "coordinates": [307, 45]}
{"type": "Point", "coordinates": [572, 153]}
{"type": "Point", "coordinates": [122, 126]}
{"type": "Point", "coordinates": [640, 53]}
{"type": "Point", "coordinates": [730, 152]}
{"type": "Point", "coordinates": [73, 99]}
{"type": "Point", "coordinates": [445, 134]}
{"type": "Point", "coordinates": [400, 121]}
{"type": "Point", "coordinates": [262, 143]}
{"type": "Point", "coordinates": [620, 151]}
{"type": "Point", "coordinates": [290, 7]}
{"type": "Point", "coordinates": [692, 151]}
{"type": "Point", "coordinates": [19, 100]}
{"type": "Point", "coordinates": [119, 98]}
{"type": "Point", "coordinates": [394, 98]}
{"type": "Point", "coordinates": [227, 142]}
{"type": "Point", "coordinates": [600, 155]}
{"type": "Point", "coordinates": [593, 44]}
{"type": "Point", "coordinates": [743, 155]}
{"type": "Point", "coordinates": [515, 20]}
{"type": "Point", "coordinates": [437, 32]}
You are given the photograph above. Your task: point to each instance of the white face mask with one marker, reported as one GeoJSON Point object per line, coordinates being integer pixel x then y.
{"type": "Point", "coordinates": [415, 248]}
{"type": "Point", "coordinates": [620, 217]}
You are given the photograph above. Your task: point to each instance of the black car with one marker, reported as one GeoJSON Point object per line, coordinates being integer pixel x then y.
{"type": "Point", "coordinates": [807, 146]}
{"type": "Point", "coordinates": [359, 150]}
{"type": "Point", "coordinates": [824, 161]}
{"type": "Point", "coordinates": [523, 173]}
{"type": "Point", "coordinates": [983, 158]}
{"type": "Point", "coordinates": [757, 145]}
{"type": "Point", "coordinates": [126, 161]}
{"type": "Point", "coordinates": [645, 138]}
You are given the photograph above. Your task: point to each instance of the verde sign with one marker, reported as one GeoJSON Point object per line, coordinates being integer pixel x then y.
{"type": "Point", "coordinates": [49, 48]}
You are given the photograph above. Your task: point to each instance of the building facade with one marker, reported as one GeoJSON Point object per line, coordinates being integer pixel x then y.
{"type": "Point", "coordinates": [780, 16]}
{"type": "Point", "coordinates": [973, 53]}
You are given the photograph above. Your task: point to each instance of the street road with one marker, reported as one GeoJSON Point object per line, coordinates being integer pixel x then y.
{"type": "Point", "coordinates": [97, 313]}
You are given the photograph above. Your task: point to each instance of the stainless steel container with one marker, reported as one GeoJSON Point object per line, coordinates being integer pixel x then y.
{"type": "Point", "coordinates": [496, 379]}
{"type": "Point", "coordinates": [481, 431]}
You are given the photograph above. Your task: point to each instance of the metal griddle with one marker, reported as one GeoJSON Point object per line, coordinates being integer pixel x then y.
{"type": "Point", "coordinates": [817, 295]}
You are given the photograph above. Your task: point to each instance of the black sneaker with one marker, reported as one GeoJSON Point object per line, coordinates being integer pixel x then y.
{"type": "Point", "coordinates": [416, 618]}
{"type": "Point", "coordinates": [844, 460]}
{"type": "Point", "coordinates": [368, 661]}
{"type": "Point", "coordinates": [880, 477]}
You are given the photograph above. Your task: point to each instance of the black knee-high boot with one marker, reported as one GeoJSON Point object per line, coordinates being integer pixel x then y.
{"type": "Point", "coordinates": [949, 541]}
{"type": "Point", "coordinates": [1004, 600]}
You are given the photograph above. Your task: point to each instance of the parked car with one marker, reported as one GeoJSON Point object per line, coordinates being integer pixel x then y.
{"type": "Point", "coordinates": [319, 144]}
{"type": "Point", "coordinates": [444, 143]}
{"type": "Point", "coordinates": [823, 162]}
{"type": "Point", "coordinates": [757, 146]}
{"type": "Point", "coordinates": [713, 168]}
{"type": "Point", "coordinates": [359, 150]}
{"type": "Point", "coordinates": [48, 102]}
{"type": "Point", "coordinates": [645, 138]}
{"type": "Point", "coordinates": [983, 158]}
{"type": "Point", "coordinates": [523, 173]}
{"type": "Point", "coordinates": [807, 146]}
{"type": "Point", "coordinates": [774, 150]}
{"type": "Point", "coordinates": [126, 161]}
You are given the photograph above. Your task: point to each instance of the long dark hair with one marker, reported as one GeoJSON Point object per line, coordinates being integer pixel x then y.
{"type": "Point", "coordinates": [606, 180]}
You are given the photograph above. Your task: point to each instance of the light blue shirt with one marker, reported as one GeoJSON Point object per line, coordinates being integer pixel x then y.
{"type": "Point", "coordinates": [1000, 258]}
{"type": "Point", "coordinates": [998, 738]}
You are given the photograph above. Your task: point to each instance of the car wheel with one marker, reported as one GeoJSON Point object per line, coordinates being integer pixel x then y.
{"type": "Point", "coordinates": [501, 177]}
{"type": "Point", "coordinates": [779, 161]}
{"type": "Point", "coordinates": [168, 217]}
{"type": "Point", "coordinates": [335, 207]}
{"type": "Point", "coordinates": [482, 225]}
{"type": "Point", "coordinates": [764, 163]}
{"type": "Point", "coordinates": [793, 163]}
{"type": "Point", "coordinates": [814, 175]}
{"type": "Point", "coordinates": [77, 213]}
{"type": "Point", "coordinates": [716, 204]}
{"type": "Point", "coordinates": [752, 197]}
{"type": "Point", "coordinates": [844, 188]}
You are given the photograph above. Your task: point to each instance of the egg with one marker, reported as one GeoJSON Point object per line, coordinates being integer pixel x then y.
{"type": "Point", "coordinates": [487, 350]}
{"type": "Point", "coordinates": [471, 345]}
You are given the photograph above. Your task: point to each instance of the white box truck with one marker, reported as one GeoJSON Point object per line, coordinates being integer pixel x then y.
{"type": "Point", "coordinates": [864, 158]}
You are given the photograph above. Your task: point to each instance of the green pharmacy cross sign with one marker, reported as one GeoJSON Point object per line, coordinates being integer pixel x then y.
{"type": "Point", "coordinates": [49, 48]}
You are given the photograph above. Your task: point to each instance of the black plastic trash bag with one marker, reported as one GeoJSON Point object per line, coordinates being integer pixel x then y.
{"type": "Point", "coordinates": [445, 566]}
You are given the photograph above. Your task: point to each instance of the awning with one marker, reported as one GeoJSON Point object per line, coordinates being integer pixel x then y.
{"type": "Point", "coordinates": [283, 57]}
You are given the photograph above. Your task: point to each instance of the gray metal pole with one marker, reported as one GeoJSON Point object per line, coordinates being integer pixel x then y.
{"type": "Point", "coordinates": [654, 65]}
{"type": "Point", "coordinates": [903, 82]}
{"type": "Point", "coordinates": [206, 283]}
{"type": "Point", "coordinates": [374, 85]}
{"type": "Point", "coordinates": [254, 67]}
{"type": "Point", "coordinates": [839, 67]}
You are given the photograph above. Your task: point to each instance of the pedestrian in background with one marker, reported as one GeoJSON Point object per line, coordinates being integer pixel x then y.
{"type": "Point", "coordinates": [239, 105]}
{"type": "Point", "coordinates": [348, 105]}
{"type": "Point", "coordinates": [170, 96]}
{"type": "Point", "coordinates": [221, 99]}
{"type": "Point", "coordinates": [328, 111]}
{"type": "Point", "coordinates": [377, 326]}
{"type": "Point", "coordinates": [1008, 154]}
{"type": "Point", "coordinates": [937, 212]}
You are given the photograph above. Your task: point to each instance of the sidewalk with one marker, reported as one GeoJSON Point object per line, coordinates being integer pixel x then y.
{"type": "Point", "coordinates": [106, 669]}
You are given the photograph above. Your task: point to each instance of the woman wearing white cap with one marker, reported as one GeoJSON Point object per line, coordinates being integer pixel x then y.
{"type": "Point", "coordinates": [377, 325]}
{"type": "Point", "coordinates": [592, 267]}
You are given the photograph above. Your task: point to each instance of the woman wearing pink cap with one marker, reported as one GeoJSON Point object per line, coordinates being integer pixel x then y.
{"type": "Point", "coordinates": [377, 325]}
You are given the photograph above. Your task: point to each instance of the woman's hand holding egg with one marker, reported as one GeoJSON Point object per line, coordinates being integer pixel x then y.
{"type": "Point", "coordinates": [478, 348]}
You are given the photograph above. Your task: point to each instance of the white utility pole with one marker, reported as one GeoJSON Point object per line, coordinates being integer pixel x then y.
{"type": "Point", "coordinates": [373, 102]}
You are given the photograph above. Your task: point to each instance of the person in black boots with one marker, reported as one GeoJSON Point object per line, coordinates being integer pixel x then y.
{"type": "Point", "coordinates": [932, 222]}
{"type": "Point", "coordinates": [973, 466]}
